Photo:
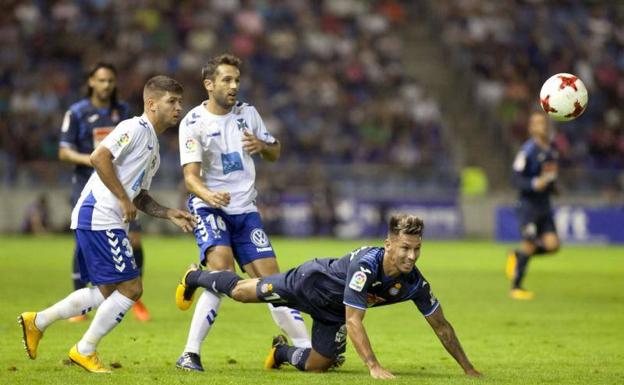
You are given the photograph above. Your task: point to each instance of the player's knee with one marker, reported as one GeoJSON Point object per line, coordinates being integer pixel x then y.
{"type": "Point", "coordinates": [316, 367]}
{"type": "Point", "coordinates": [554, 247]}
{"type": "Point", "coordinates": [218, 264]}
{"type": "Point", "coordinates": [132, 290]}
{"type": "Point", "coordinates": [136, 292]}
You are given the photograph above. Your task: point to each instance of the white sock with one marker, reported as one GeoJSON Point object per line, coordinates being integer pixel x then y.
{"type": "Point", "coordinates": [291, 322]}
{"type": "Point", "coordinates": [80, 301]}
{"type": "Point", "coordinates": [205, 315]}
{"type": "Point", "coordinates": [109, 315]}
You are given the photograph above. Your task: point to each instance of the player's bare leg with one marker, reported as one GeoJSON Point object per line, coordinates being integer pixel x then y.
{"type": "Point", "coordinates": [317, 362]}
{"type": "Point", "coordinates": [288, 320]}
{"type": "Point", "coordinates": [549, 244]}
{"type": "Point", "coordinates": [139, 309]}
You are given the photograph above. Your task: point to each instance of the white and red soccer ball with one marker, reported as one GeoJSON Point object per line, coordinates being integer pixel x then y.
{"type": "Point", "coordinates": [563, 97]}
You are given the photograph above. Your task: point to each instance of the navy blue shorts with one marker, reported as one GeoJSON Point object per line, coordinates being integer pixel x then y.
{"type": "Point", "coordinates": [329, 333]}
{"type": "Point", "coordinates": [329, 339]}
{"type": "Point", "coordinates": [534, 221]}
{"type": "Point", "coordinates": [105, 256]}
{"type": "Point", "coordinates": [244, 233]}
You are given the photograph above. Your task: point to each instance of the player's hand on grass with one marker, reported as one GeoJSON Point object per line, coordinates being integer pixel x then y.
{"type": "Point", "coordinates": [473, 373]}
{"type": "Point", "coordinates": [128, 209]}
{"type": "Point", "coordinates": [251, 144]}
{"type": "Point", "coordinates": [218, 199]}
{"type": "Point", "coordinates": [378, 372]}
{"type": "Point", "coordinates": [183, 219]}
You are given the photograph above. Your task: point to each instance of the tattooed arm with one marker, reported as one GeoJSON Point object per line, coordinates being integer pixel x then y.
{"type": "Point", "coordinates": [148, 205]}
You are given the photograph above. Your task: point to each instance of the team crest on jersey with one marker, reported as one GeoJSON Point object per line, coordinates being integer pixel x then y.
{"type": "Point", "coordinates": [242, 124]}
{"type": "Point", "coordinates": [190, 145]}
{"type": "Point", "coordinates": [394, 290]}
{"type": "Point", "coordinates": [358, 280]}
{"type": "Point", "coordinates": [266, 288]}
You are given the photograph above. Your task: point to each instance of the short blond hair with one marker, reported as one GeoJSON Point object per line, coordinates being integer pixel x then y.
{"type": "Point", "coordinates": [406, 224]}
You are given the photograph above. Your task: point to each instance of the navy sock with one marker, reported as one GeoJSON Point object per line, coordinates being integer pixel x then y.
{"type": "Point", "coordinates": [297, 357]}
{"type": "Point", "coordinates": [138, 258]}
{"type": "Point", "coordinates": [221, 282]}
{"type": "Point", "coordinates": [78, 284]}
{"type": "Point", "coordinates": [522, 261]}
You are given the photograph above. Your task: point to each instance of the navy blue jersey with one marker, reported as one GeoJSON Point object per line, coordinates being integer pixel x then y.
{"type": "Point", "coordinates": [322, 287]}
{"type": "Point", "coordinates": [85, 126]}
{"type": "Point", "coordinates": [530, 162]}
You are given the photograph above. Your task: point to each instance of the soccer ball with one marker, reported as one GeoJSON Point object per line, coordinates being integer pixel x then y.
{"type": "Point", "coordinates": [563, 97]}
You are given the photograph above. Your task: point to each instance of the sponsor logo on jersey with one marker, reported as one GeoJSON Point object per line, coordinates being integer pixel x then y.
{"type": "Point", "coordinates": [259, 238]}
{"type": "Point", "coordinates": [231, 162]}
{"type": "Point", "coordinates": [357, 281]}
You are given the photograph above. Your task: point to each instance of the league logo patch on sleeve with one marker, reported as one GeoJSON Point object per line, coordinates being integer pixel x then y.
{"type": "Point", "coordinates": [190, 145]}
{"type": "Point", "coordinates": [358, 280]}
{"type": "Point", "coordinates": [123, 139]}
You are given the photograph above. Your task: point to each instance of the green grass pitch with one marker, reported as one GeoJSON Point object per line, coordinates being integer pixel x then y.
{"type": "Point", "coordinates": [571, 333]}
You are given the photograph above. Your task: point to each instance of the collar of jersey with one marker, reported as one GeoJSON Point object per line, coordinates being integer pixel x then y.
{"type": "Point", "coordinates": [149, 124]}
{"type": "Point", "coordinates": [214, 116]}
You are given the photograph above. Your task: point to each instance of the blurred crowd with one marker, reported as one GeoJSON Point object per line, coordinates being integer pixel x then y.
{"type": "Point", "coordinates": [327, 76]}
{"type": "Point", "coordinates": [511, 47]}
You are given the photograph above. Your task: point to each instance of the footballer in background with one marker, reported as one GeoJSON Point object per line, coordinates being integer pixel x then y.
{"type": "Point", "coordinates": [86, 123]}
{"type": "Point", "coordinates": [535, 171]}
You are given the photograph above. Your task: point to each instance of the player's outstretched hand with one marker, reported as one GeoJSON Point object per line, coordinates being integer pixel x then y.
{"type": "Point", "coordinates": [183, 219]}
{"type": "Point", "coordinates": [128, 210]}
{"type": "Point", "coordinates": [251, 144]}
{"type": "Point", "coordinates": [378, 372]}
{"type": "Point", "coordinates": [218, 199]}
{"type": "Point", "coordinates": [473, 373]}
